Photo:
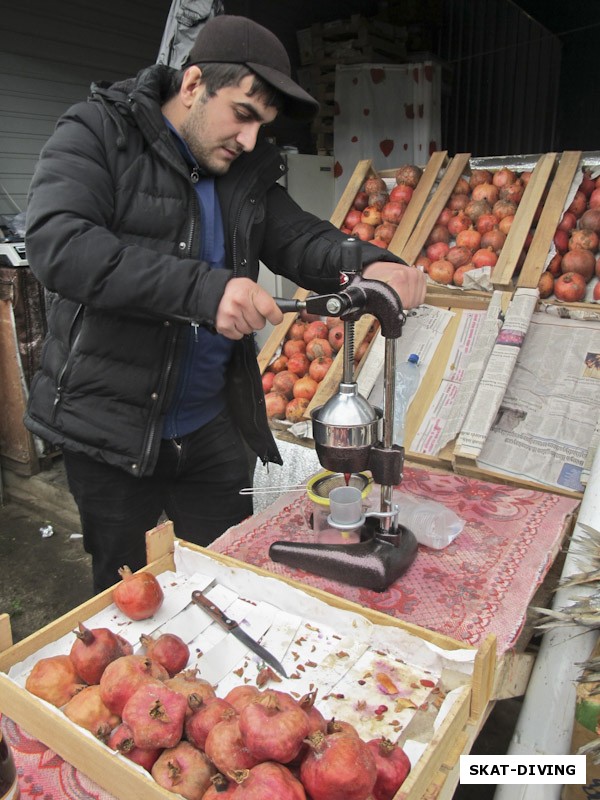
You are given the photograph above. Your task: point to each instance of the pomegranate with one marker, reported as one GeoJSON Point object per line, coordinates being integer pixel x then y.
{"type": "Point", "coordinates": [299, 364]}
{"type": "Point", "coordinates": [278, 364]}
{"type": "Point", "coordinates": [484, 257]}
{"type": "Point", "coordinates": [292, 347]}
{"type": "Point", "coordinates": [272, 732]}
{"type": "Point", "coordinates": [503, 177]}
{"type": "Point", "coordinates": [437, 251]}
{"type": "Point", "coordinates": [393, 212]}
{"type": "Point", "coordinates": [385, 232]}
{"type": "Point", "coordinates": [94, 649]}
{"type": "Point", "coordinates": [505, 223]}
{"type": "Point", "coordinates": [371, 216]}
{"type": "Point", "coordinates": [240, 696]}
{"type": "Point", "coordinates": [297, 330]}
{"type": "Point", "coordinates": [184, 770]}
{"type": "Point", "coordinates": [596, 293]}
{"type": "Point", "coordinates": [458, 278]}
{"type": "Point", "coordinates": [462, 186]}
{"type": "Point", "coordinates": [513, 192]}
{"type": "Point", "coordinates": [469, 238]}
{"type": "Point", "coordinates": [409, 174]}
{"type": "Point", "coordinates": [121, 740]}
{"type": "Point", "coordinates": [402, 193]}
{"type": "Point", "coordinates": [338, 766]}
{"type": "Point", "coordinates": [364, 231]}
{"type": "Point", "coordinates": [441, 271]}
{"type": "Point", "coordinates": [155, 715]}
{"type": "Point", "coordinates": [445, 216]}
{"type": "Point", "coordinates": [139, 595]}
{"type": "Point", "coordinates": [546, 284]}
{"type": "Point", "coordinates": [54, 679]}
{"type": "Point", "coordinates": [423, 262]}
{"type": "Point", "coordinates": [123, 676]}
{"type": "Point", "coordinates": [570, 287]}
{"type": "Point", "coordinates": [284, 383]}
{"type": "Point", "coordinates": [590, 219]}
{"type": "Point", "coordinates": [486, 222]}
{"type": "Point", "coordinates": [88, 710]}
{"type": "Point", "coordinates": [494, 239]}
{"type": "Point", "coordinates": [341, 726]}
{"type": "Point", "coordinates": [504, 208]}
{"type": "Point", "coordinates": [268, 780]}
{"type": "Point", "coordinates": [319, 367]}
{"type": "Point", "coordinates": [594, 200]}
{"type": "Point", "coordinates": [168, 649]}
{"type": "Point", "coordinates": [561, 241]}
{"type": "Point", "coordinates": [226, 748]}
{"type": "Point", "coordinates": [188, 683]}
{"type": "Point", "coordinates": [587, 184]}
{"type": "Point", "coordinates": [486, 191]}
{"type": "Point", "coordinates": [315, 330]}
{"type": "Point", "coordinates": [379, 243]}
{"type": "Point", "coordinates": [374, 184]}
{"type": "Point", "coordinates": [554, 265]}
{"type": "Point", "coordinates": [476, 208]}
{"type": "Point", "coordinates": [580, 261]}
{"type": "Point", "coordinates": [220, 788]}
{"type": "Point", "coordinates": [393, 766]}
{"type": "Point", "coordinates": [460, 222]}
{"type": "Point", "coordinates": [458, 202]}
{"type": "Point", "coordinates": [295, 411]}
{"type": "Point", "coordinates": [275, 403]}
{"type": "Point", "coordinates": [439, 233]}
{"type": "Point", "coordinates": [267, 381]}
{"type": "Point", "coordinates": [205, 714]}
{"type": "Point", "coordinates": [361, 201]}
{"type": "Point", "coordinates": [584, 239]}
{"type": "Point", "coordinates": [579, 204]}
{"type": "Point", "coordinates": [336, 336]}
{"type": "Point", "coordinates": [569, 221]}
{"type": "Point", "coordinates": [479, 176]}
{"type": "Point", "coordinates": [458, 256]}
{"type": "Point", "coordinates": [378, 200]}
{"type": "Point", "coordinates": [319, 348]}
{"type": "Point", "coordinates": [353, 217]}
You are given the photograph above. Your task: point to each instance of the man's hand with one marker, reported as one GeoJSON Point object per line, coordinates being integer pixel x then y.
{"type": "Point", "coordinates": [409, 282]}
{"type": "Point", "coordinates": [245, 307]}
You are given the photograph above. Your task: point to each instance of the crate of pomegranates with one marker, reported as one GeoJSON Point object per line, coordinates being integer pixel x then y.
{"type": "Point", "coordinates": [300, 362]}
{"type": "Point", "coordinates": [563, 260]}
{"type": "Point", "coordinates": [146, 694]}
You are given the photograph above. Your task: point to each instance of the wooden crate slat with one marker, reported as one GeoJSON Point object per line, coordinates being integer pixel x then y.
{"type": "Point", "coordinates": [359, 176]}
{"type": "Point", "coordinates": [503, 272]}
{"type": "Point", "coordinates": [423, 227]}
{"type": "Point", "coordinates": [549, 219]}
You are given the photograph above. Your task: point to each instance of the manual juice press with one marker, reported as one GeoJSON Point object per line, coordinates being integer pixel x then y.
{"type": "Point", "coordinates": [350, 436]}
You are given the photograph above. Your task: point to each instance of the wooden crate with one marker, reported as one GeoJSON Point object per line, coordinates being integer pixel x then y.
{"type": "Point", "coordinates": [351, 41]}
{"type": "Point", "coordinates": [364, 169]}
{"type": "Point", "coordinates": [121, 778]}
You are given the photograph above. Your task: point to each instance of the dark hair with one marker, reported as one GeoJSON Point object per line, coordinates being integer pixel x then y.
{"type": "Point", "coordinates": [217, 76]}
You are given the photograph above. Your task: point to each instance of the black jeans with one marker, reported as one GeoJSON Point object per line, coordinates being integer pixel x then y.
{"type": "Point", "coordinates": [196, 482]}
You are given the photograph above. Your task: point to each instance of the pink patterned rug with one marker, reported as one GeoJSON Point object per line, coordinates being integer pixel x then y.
{"type": "Point", "coordinates": [480, 584]}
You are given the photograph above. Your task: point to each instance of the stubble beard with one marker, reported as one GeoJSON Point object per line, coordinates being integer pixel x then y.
{"type": "Point", "coordinates": [193, 132]}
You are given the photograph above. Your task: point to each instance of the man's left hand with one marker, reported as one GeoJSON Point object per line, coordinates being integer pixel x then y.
{"type": "Point", "coordinates": [409, 282]}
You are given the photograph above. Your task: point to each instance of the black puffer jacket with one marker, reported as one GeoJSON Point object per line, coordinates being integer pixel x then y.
{"type": "Point", "coordinates": [112, 227]}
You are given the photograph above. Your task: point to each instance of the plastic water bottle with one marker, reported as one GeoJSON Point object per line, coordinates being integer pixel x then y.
{"type": "Point", "coordinates": [407, 382]}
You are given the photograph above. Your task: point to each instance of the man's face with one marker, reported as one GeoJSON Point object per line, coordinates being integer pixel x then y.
{"type": "Point", "coordinates": [218, 129]}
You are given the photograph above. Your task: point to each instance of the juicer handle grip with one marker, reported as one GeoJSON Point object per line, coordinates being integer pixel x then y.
{"type": "Point", "coordinates": [289, 305]}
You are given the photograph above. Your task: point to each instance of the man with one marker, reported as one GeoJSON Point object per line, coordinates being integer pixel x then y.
{"type": "Point", "coordinates": [149, 211]}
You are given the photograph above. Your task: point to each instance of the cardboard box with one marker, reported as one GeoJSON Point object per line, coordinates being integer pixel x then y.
{"type": "Point", "coordinates": [120, 777]}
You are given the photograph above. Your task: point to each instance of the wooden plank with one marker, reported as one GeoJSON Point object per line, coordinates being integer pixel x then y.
{"type": "Point", "coordinates": [425, 224]}
{"type": "Point", "coordinates": [549, 219]}
{"type": "Point", "coordinates": [5, 632]}
{"type": "Point", "coordinates": [484, 674]}
{"type": "Point", "coordinates": [503, 272]}
{"type": "Point", "coordinates": [358, 177]}
{"type": "Point", "coordinates": [417, 202]}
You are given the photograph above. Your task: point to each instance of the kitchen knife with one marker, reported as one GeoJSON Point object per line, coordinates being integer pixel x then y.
{"type": "Point", "coordinates": [233, 627]}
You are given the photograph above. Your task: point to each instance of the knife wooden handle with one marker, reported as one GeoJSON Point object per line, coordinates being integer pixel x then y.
{"type": "Point", "coordinates": [213, 610]}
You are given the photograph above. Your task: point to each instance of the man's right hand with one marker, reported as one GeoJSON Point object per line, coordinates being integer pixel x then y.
{"type": "Point", "coordinates": [245, 307]}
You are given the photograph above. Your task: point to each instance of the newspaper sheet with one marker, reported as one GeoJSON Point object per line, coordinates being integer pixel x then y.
{"type": "Point", "coordinates": [496, 374]}
{"type": "Point", "coordinates": [473, 344]}
{"type": "Point", "coordinates": [548, 417]}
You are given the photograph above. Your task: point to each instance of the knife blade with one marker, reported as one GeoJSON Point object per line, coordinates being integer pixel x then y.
{"type": "Point", "coordinates": [233, 627]}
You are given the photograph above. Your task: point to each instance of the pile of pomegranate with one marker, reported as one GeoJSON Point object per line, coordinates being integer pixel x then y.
{"type": "Point", "coordinates": [253, 743]}
{"type": "Point", "coordinates": [376, 212]}
{"type": "Point", "coordinates": [577, 243]}
{"type": "Point", "coordinates": [308, 350]}
{"type": "Point", "coordinates": [472, 228]}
